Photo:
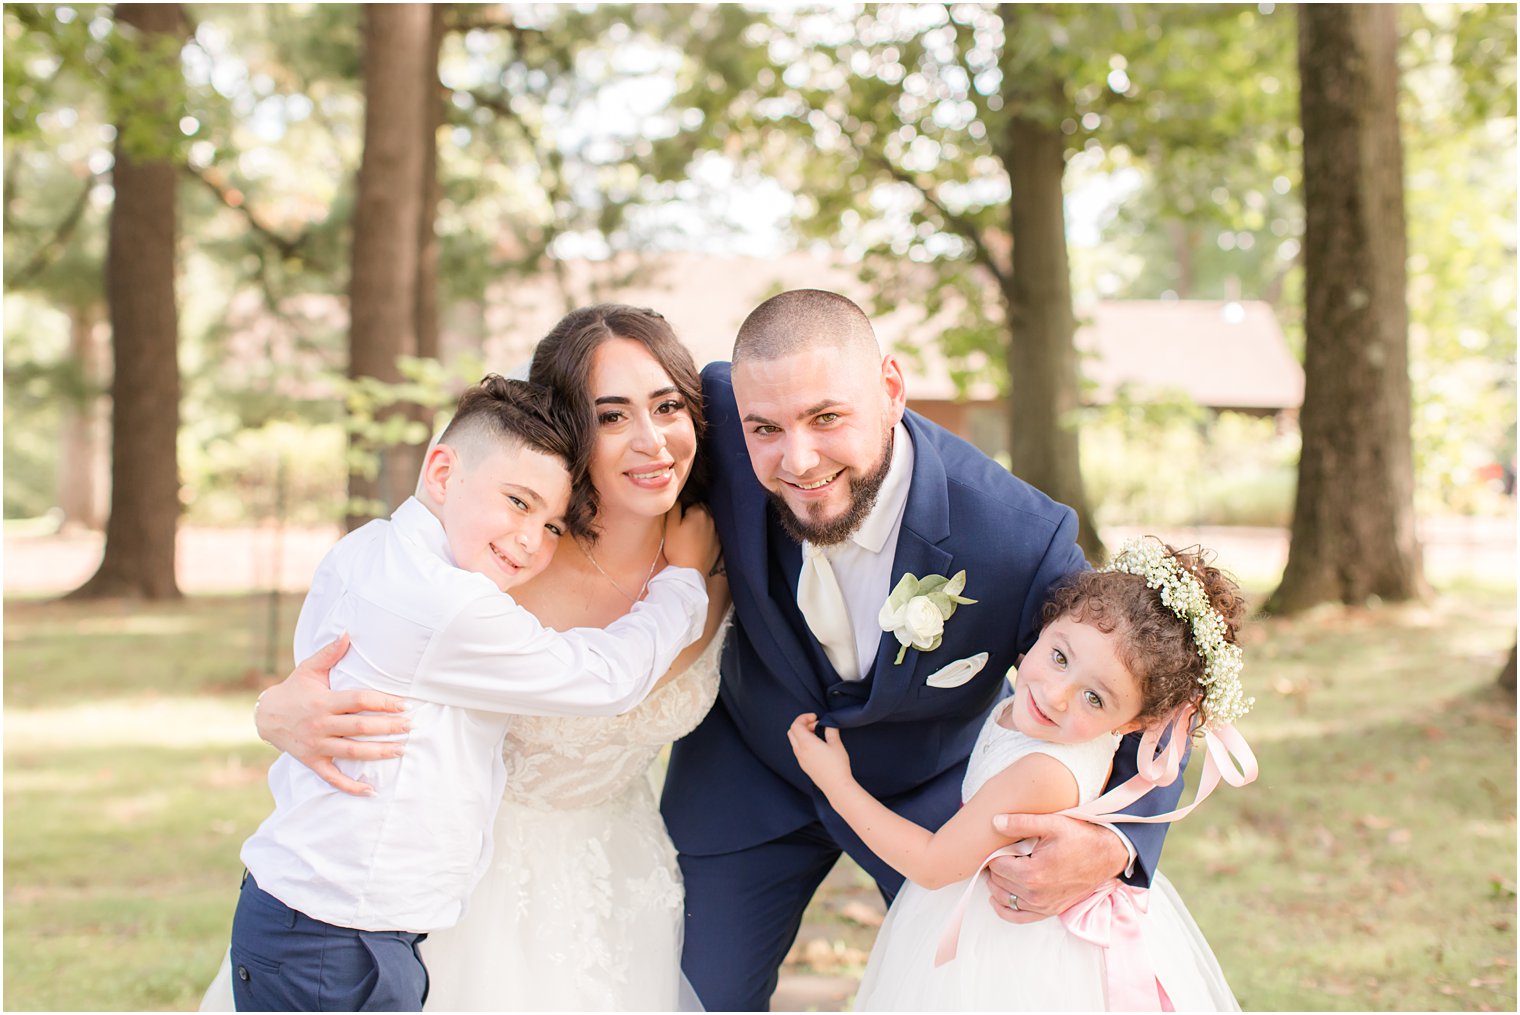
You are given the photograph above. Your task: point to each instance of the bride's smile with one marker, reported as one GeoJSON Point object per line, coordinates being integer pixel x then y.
{"type": "Point", "coordinates": [645, 438]}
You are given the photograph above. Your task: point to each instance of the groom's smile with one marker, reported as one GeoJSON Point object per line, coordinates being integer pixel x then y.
{"type": "Point", "coordinates": [818, 425]}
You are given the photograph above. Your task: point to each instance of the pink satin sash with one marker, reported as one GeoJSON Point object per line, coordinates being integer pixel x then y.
{"type": "Point", "coordinates": [1111, 916]}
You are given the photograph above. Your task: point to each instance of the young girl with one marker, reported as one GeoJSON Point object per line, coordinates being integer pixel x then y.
{"type": "Point", "coordinates": [1148, 642]}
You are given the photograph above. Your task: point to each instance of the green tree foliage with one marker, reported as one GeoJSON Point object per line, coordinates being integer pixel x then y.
{"type": "Point", "coordinates": [900, 129]}
{"type": "Point", "coordinates": [269, 144]}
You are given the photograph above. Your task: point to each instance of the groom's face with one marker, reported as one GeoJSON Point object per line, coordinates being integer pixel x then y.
{"type": "Point", "coordinates": [818, 427]}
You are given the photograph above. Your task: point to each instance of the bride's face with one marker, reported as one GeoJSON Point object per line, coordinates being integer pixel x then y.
{"type": "Point", "coordinates": [645, 440]}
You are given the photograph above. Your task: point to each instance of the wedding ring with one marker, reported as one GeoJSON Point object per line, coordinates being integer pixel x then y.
{"type": "Point", "coordinates": [1013, 902]}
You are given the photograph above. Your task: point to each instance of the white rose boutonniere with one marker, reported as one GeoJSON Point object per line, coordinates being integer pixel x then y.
{"type": "Point", "coordinates": [916, 611]}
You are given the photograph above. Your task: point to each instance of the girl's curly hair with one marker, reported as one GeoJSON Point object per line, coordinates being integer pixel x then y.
{"type": "Point", "coordinates": [1154, 643]}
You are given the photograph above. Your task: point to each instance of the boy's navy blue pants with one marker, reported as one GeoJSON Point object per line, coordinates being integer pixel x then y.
{"type": "Point", "coordinates": [283, 960]}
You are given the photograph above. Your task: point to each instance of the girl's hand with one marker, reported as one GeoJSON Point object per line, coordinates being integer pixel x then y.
{"type": "Point", "coordinates": [826, 762]}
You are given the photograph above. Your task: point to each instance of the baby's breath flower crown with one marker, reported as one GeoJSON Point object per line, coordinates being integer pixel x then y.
{"type": "Point", "coordinates": [1223, 701]}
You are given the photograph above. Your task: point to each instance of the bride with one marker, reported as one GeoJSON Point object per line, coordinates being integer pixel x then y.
{"type": "Point", "coordinates": [581, 908]}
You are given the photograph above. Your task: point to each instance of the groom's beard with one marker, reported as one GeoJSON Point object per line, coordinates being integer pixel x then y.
{"type": "Point", "coordinates": [863, 493]}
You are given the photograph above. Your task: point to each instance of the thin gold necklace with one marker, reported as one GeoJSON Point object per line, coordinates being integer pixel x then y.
{"type": "Point", "coordinates": [647, 578]}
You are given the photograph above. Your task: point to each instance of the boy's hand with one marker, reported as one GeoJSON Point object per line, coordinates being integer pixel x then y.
{"type": "Point", "coordinates": [304, 718]}
{"type": "Point", "coordinates": [826, 762]}
{"type": "Point", "coordinates": [691, 539]}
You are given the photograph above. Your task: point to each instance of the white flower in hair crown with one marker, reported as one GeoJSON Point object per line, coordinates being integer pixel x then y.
{"type": "Point", "coordinates": [917, 609]}
{"type": "Point", "coordinates": [1224, 700]}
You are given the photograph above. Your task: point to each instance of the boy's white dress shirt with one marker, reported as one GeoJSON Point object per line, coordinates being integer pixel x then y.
{"type": "Point", "coordinates": [469, 657]}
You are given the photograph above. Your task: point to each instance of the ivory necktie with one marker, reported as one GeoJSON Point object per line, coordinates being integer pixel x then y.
{"type": "Point", "coordinates": [822, 604]}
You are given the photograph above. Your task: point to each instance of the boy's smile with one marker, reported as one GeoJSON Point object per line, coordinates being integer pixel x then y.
{"type": "Point", "coordinates": [504, 514]}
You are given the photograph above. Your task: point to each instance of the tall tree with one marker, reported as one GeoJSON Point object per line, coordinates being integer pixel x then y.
{"type": "Point", "coordinates": [1043, 382]}
{"type": "Point", "coordinates": [1353, 531]}
{"type": "Point", "coordinates": [140, 263]}
{"type": "Point", "coordinates": [936, 145]}
{"type": "Point", "coordinates": [400, 57]}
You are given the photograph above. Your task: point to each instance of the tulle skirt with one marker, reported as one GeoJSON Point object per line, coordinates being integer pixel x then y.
{"type": "Point", "coordinates": [1040, 966]}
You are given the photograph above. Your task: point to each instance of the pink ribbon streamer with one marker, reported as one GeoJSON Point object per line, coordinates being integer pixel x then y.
{"type": "Point", "coordinates": [1111, 919]}
{"type": "Point", "coordinates": [1111, 916]}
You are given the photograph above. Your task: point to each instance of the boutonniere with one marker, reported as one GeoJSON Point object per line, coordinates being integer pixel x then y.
{"type": "Point", "coordinates": [917, 609]}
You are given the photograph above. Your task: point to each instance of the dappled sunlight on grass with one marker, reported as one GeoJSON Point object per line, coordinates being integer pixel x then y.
{"type": "Point", "coordinates": [147, 722]}
{"type": "Point", "coordinates": [1371, 866]}
{"type": "Point", "coordinates": [62, 654]}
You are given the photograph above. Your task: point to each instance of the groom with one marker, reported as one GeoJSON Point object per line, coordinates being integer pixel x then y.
{"type": "Point", "coordinates": [825, 492]}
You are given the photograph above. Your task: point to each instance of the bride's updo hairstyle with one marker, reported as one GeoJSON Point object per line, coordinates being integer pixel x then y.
{"type": "Point", "coordinates": [562, 363]}
{"type": "Point", "coordinates": [1154, 643]}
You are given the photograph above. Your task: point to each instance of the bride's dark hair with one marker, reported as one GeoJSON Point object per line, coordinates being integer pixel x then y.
{"type": "Point", "coordinates": [562, 363]}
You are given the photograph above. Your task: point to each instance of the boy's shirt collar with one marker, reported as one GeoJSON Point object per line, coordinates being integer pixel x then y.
{"type": "Point", "coordinates": [414, 521]}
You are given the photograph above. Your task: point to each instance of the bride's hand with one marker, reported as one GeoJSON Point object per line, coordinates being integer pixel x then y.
{"type": "Point", "coordinates": [691, 539]}
{"type": "Point", "coordinates": [303, 717]}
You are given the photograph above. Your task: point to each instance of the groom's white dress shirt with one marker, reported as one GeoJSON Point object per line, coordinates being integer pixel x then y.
{"type": "Point", "coordinates": [863, 563]}
{"type": "Point", "coordinates": [468, 656]}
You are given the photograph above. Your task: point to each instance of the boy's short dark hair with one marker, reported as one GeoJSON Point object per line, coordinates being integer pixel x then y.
{"type": "Point", "coordinates": [499, 411]}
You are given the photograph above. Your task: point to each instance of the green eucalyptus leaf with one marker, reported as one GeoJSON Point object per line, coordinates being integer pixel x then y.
{"type": "Point", "coordinates": [942, 603]}
{"type": "Point", "coordinates": [932, 583]}
{"type": "Point", "coordinates": [907, 587]}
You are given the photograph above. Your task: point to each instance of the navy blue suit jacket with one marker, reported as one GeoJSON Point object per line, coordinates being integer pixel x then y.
{"type": "Point", "coordinates": [733, 783]}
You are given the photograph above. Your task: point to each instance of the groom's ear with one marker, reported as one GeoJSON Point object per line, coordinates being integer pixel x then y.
{"type": "Point", "coordinates": [894, 386]}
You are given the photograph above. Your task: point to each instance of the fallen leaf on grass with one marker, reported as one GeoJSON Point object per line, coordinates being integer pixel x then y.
{"type": "Point", "coordinates": [1433, 733]}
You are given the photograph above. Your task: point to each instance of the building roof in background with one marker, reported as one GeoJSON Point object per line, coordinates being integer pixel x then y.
{"type": "Point", "coordinates": [1219, 354]}
{"type": "Point", "coordinates": [1223, 354]}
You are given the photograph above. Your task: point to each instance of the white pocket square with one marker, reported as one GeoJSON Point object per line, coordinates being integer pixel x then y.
{"type": "Point", "coordinates": [958, 672]}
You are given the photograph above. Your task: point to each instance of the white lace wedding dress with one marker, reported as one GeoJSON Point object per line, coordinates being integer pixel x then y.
{"type": "Point", "coordinates": [581, 907]}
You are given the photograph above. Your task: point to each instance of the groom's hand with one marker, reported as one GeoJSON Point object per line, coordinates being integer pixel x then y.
{"type": "Point", "coordinates": [309, 721]}
{"type": "Point", "coordinates": [1069, 858]}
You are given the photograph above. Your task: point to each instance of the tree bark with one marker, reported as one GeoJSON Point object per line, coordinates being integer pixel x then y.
{"type": "Point", "coordinates": [84, 461]}
{"type": "Point", "coordinates": [387, 225]}
{"type": "Point", "coordinates": [139, 275]}
{"type": "Point", "coordinates": [1353, 535]}
{"type": "Point", "coordinates": [410, 456]}
{"type": "Point", "coordinates": [1507, 675]}
{"type": "Point", "coordinates": [1041, 355]}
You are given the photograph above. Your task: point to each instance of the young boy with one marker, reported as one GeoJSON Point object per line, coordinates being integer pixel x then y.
{"type": "Point", "coordinates": [340, 888]}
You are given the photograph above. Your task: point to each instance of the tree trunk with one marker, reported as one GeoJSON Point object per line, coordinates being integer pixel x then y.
{"type": "Point", "coordinates": [1353, 534]}
{"type": "Point", "coordinates": [1041, 356]}
{"type": "Point", "coordinates": [410, 456]}
{"type": "Point", "coordinates": [1507, 675]}
{"type": "Point", "coordinates": [139, 277]}
{"type": "Point", "coordinates": [84, 460]}
{"type": "Point", "coordinates": [387, 213]}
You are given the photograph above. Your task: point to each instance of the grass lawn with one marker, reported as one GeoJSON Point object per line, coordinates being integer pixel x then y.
{"type": "Point", "coordinates": [1371, 867]}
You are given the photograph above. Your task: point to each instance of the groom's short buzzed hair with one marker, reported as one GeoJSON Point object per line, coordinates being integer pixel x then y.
{"type": "Point", "coordinates": [801, 319]}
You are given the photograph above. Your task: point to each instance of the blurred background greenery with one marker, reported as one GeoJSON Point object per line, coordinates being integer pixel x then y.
{"type": "Point", "coordinates": [252, 250]}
